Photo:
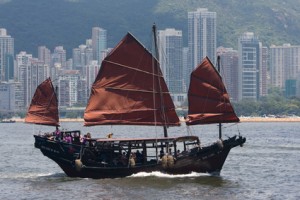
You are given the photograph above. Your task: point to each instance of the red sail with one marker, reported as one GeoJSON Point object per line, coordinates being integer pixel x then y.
{"type": "Point", "coordinates": [44, 106]}
{"type": "Point", "coordinates": [208, 99]}
{"type": "Point", "coordinates": [130, 89]}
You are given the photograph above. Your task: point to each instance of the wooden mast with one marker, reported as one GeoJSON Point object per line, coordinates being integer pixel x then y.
{"type": "Point", "coordinates": [220, 124]}
{"type": "Point", "coordinates": [157, 57]}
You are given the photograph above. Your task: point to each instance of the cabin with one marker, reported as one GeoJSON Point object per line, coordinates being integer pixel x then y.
{"type": "Point", "coordinates": [117, 152]}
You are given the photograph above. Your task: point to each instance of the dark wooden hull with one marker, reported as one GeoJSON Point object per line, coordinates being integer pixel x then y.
{"type": "Point", "coordinates": [208, 159]}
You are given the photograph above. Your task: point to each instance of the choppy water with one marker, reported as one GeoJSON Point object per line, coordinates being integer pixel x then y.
{"type": "Point", "coordinates": [267, 167]}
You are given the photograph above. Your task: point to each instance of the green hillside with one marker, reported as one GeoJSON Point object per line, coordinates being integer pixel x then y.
{"type": "Point", "coordinates": [69, 22]}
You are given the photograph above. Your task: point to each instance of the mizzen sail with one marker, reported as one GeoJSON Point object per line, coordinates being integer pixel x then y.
{"type": "Point", "coordinates": [130, 89]}
{"type": "Point", "coordinates": [44, 106]}
{"type": "Point", "coordinates": [208, 99]}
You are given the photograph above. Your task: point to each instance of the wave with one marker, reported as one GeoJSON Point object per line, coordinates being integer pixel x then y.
{"type": "Point", "coordinates": [163, 175]}
{"type": "Point", "coordinates": [28, 175]}
{"type": "Point", "coordinates": [24, 175]}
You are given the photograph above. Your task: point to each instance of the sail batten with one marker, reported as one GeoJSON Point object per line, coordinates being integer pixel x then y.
{"type": "Point", "coordinates": [132, 90]}
{"type": "Point", "coordinates": [208, 99]}
{"type": "Point", "coordinates": [132, 68]}
{"type": "Point", "coordinates": [44, 106]}
{"type": "Point", "coordinates": [129, 89]}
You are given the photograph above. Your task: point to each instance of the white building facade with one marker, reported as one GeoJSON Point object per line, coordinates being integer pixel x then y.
{"type": "Point", "coordinates": [202, 36]}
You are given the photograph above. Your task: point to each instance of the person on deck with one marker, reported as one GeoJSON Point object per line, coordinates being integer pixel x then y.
{"type": "Point", "coordinates": [161, 153]}
{"type": "Point", "coordinates": [139, 157]}
{"type": "Point", "coordinates": [84, 140]}
{"type": "Point", "coordinates": [76, 138]}
{"type": "Point", "coordinates": [68, 138]}
{"type": "Point", "coordinates": [57, 134]}
{"type": "Point", "coordinates": [110, 135]}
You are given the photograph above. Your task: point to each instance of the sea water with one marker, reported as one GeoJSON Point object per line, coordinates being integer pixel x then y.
{"type": "Point", "coordinates": [266, 167]}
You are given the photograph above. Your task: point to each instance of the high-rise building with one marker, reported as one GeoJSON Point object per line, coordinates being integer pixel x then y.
{"type": "Point", "coordinates": [82, 56]}
{"type": "Point", "coordinates": [202, 36]}
{"type": "Point", "coordinates": [59, 57]}
{"type": "Point", "coordinates": [99, 43]}
{"type": "Point", "coordinates": [68, 88]}
{"type": "Point", "coordinates": [44, 54]}
{"type": "Point", "coordinates": [185, 74]}
{"type": "Point", "coordinates": [39, 72]}
{"type": "Point", "coordinates": [7, 96]}
{"type": "Point", "coordinates": [170, 51]}
{"type": "Point", "coordinates": [31, 72]}
{"type": "Point", "coordinates": [23, 63]}
{"type": "Point", "coordinates": [76, 56]}
{"type": "Point", "coordinates": [284, 64]}
{"type": "Point", "coordinates": [92, 70]}
{"type": "Point", "coordinates": [249, 49]}
{"type": "Point", "coordinates": [229, 63]}
{"type": "Point", "coordinates": [264, 77]}
{"type": "Point", "coordinates": [6, 56]}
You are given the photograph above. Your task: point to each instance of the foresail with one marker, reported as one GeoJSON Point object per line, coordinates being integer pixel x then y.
{"type": "Point", "coordinates": [44, 106]}
{"type": "Point", "coordinates": [130, 89]}
{"type": "Point", "coordinates": [208, 99]}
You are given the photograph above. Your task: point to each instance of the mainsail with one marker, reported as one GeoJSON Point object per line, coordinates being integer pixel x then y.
{"type": "Point", "coordinates": [208, 99]}
{"type": "Point", "coordinates": [130, 89]}
{"type": "Point", "coordinates": [44, 106]}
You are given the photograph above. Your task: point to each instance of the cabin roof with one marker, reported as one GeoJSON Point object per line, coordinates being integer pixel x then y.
{"type": "Point", "coordinates": [164, 139]}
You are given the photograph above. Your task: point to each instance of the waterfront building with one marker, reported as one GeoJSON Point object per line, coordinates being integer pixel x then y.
{"type": "Point", "coordinates": [170, 51]}
{"type": "Point", "coordinates": [264, 76]}
{"type": "Point", "coordinates": [68, 88]}
{"type": "Point", "coordinates": [249, 49]}
{"type": "Point", "coordinates": [23, 63]}
{"type": "Point", "coordinates": [285, 68]}
{"type": "Point", "coordinates": [229, 64]}
{"type": "Point", "coordinates": [92, 70]}
{"type": "Point", "coordinates": [202, 36]}
{"type": "Point", "coordinates": [7, 97]}
{"type": "Point", "coordinates": [185, 63]}
{"type": "Point", "coordinates": [6, 56]}
{"type": "Point", "coordinates": [99, 43]}
{"type": "Point", "coordinates": [31, 72]}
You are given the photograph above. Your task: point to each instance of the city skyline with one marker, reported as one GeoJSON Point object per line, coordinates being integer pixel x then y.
{"type": "Point", "coordinates": [247, 79]}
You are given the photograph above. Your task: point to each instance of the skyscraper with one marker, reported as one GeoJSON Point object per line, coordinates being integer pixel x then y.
{"type": "Point", "coordinates": [170, 51]}
{"type": "Point", "coordinates": [284, 65]}
{"type": "Point", "coordinates": [7, 96]}
{"type": "Point", "coordinates": [249, 49]}
{"type": "Point", "coordinates": [91, 72]}
{"type": "Point", "coordinates": [23, 62]}
{"type": "Point", "coordinates": [202, 36]}
{"type": "Point", "coordinates": [59, 56]}
{"type": "Point", "coordinates": [68, 88]}
{"type": "Point", "coordinates": [264, 78]}
{"type": "Point", "coordinates": [82, 56]}
{"type": "Point", "coordinates": [44, 54]}
{"type": "Point", "coordinates": [6, 55]}
{"type": "Point", "coordinates": [229, 70]}
{"type": "Point", "coordinates": [99, 43]}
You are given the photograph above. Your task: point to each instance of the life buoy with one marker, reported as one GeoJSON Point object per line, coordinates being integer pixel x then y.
{"type": "Point", "coordinates": [167, 161]}
{"type": "Point", "coordinates": [78, 165]}
{"type": "Point", "coordinates": [131, 162]}
{"type": "Point", "coordinates": [170, 161]}
{"type": "Point", "coordinates": [164, 161]}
